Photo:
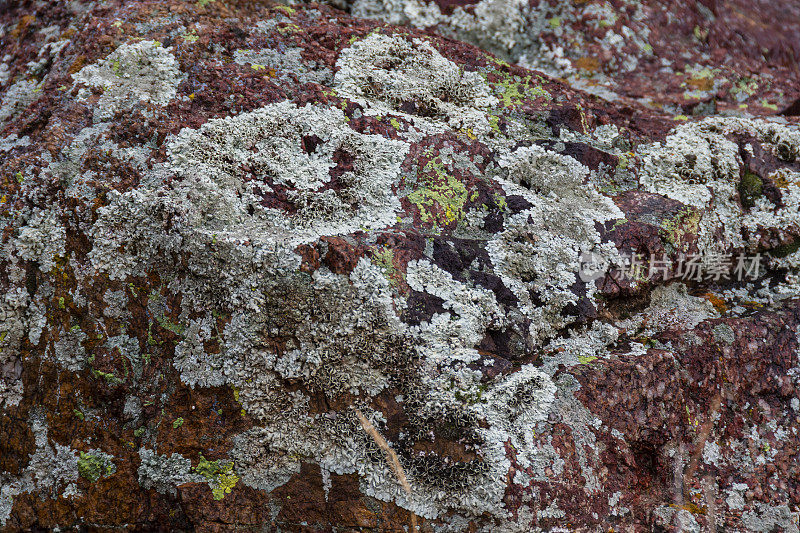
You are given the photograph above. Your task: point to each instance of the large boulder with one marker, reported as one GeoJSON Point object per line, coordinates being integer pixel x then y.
{"type": "Point", "coordinates": [273, 267]}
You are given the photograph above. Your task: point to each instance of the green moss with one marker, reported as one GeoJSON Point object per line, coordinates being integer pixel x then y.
{"type": "Point", "coordinates": [177, 423]}
{"type": "Point", "coordinates": [750, 188]}
{"type": "Point", "coordinates": [138, 432]}
{"type": "Point", "coordinates": [78, 414]}
{"type": "Point", "coordinates": [93, 467]}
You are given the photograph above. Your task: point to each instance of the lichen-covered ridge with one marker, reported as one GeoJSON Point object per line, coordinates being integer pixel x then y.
{"type": "Point", "coordinates": [231, 229]}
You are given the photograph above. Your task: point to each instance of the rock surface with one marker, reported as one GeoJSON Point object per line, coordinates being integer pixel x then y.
{"type": "Point", "coordinates": [271, 267]}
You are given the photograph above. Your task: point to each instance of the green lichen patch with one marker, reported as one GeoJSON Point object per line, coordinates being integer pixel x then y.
{"type": "Point", "coordinates": [514, 90]}
{"type": "Point", "coordinates": [442, 198]}
{"type": "Point", "coordinates": [93, 466]}
{"type": "Point", "coordinates": [219, 474]}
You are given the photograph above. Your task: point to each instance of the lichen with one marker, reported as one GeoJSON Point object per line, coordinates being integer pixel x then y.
{"type": "Point", "coordinates": [165, 473]}
{"type": "Point", "coordinates": [219, 474]}
{"type": "Point", "coordinates": [41, 239]}
{"type": "Point", "coordinates": [537, 254]}
{"type": "Point", "coordinates": [17, 98]}
{"type": "Point", "coordinates": [285, 61]}
{"type": "Point", "coordinates": [143, 72]}
{"type": "Point", "coordinates": [700, 165]}
{"type": "Point", "coordinates": [410, 78]}
{"type": "Point", "coordinates": [94, 465]}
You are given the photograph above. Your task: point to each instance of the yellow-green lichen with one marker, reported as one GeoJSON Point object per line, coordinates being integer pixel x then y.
{"type": "Point", "coordinates": [219, 474]}
{"type": "Point", "coordinates": [384, 258]}
{"type": "Point", "coordinates": [443, 198]}
{"type": "Point", "coordinates": [92, 467]}
{"type": "Point", "coordinates": [513, 90]}
{"type": "Point", "coordinates": [684, 223]}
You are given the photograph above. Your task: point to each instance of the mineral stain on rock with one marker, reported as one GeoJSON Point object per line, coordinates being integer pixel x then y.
{"type": "Point", "coordinates": [275, 267]}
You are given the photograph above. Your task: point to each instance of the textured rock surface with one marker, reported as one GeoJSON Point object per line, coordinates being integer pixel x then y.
{"type": "Point", "coordinates": [247, 248]}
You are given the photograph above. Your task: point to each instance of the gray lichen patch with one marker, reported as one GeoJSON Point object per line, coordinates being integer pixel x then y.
{"type": "Point", "coordinates": [273, 145]}
{"type": "Point", "coordinates": [18, 97]}
{"type": "Point", "coordinates": [411, 78]}
{"type": "Point", "coordinates": [227, 173]}
{"type": "Point", "coordinates": [498, 25]}
{"type": "Point", "coordinates": [284, 62]}
{"type": "Point", "coordinates": [165, 473]}
{"type": "Point", "coordinates": [51, 470]}
{"type": "Point", "coordinates": [133, 73]}
{"type": "Point", "coordinates": [538, 252]}
{"type": "Point", "coordinates": [41, 239]}
{"type": "Point", "coordinates": [13, 328]}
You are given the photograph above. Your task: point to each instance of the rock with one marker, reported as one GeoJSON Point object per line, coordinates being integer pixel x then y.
{"type": "Point", "coordinates": [281, 267]}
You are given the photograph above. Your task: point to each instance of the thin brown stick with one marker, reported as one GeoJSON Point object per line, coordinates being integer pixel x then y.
{"type": "Point", "coordinates": [391, 458]}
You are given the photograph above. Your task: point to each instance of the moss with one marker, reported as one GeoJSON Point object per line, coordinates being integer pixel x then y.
{"type": "Point", "coordinates": [177, 423]}
{"type": "Point", "coordinates": [750, 188]}
{"type": "Point", "coordinates": [786, 249]}
{"type": "Point", "coordinates": [92, 467]}
{"type": "Point", "coordinates": [78, 414]}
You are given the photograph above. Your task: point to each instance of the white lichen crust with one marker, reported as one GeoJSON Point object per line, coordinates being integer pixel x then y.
{"type": "Point", "coordinates": [133, 73]}
{"type": "Point", "coordinates": [410, 78]}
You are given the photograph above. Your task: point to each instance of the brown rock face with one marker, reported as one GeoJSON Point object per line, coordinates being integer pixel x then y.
{"type": "Point", "coordinates": [288, 268]}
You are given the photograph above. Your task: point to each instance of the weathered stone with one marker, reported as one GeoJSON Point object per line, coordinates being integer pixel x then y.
{"type": "Point", "coordinates": [282, 268]}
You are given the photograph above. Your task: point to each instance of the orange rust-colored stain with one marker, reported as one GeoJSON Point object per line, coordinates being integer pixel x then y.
{"type": "Point", "coordinates": [700, 84]}
{"type": "Point", "coordinates": [718, 303]}
{"type": "Point", "coordinates": [591, 64]}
